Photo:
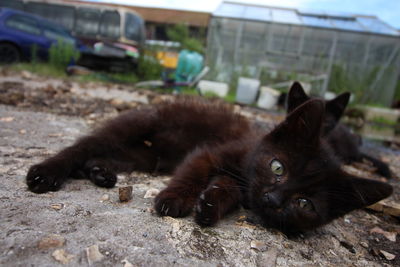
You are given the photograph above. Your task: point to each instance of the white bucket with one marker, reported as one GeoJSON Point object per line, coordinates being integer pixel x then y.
{"type": "Point", "coordinates": [247, 90]}
{"type": "Point", "coordinates": [268, 98]}
{"type": "Point", "coordinates": [218, 88]}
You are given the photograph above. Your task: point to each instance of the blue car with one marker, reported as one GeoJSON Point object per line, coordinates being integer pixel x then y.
{"type": "Point", "coordinates": [19, 31]}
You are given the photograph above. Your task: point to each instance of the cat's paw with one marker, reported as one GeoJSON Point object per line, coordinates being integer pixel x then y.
{"type": "Point", "coordinates": [206, 209]}
{"type": "Point", "coordinates": [170, 203]}
{"type": "Point", "coordinates": [100, 176]}
{"type": "Point", "coordinates": [42, 178]}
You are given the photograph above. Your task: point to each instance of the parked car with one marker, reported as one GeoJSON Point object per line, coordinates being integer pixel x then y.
{"type": "Point", "coordinates": [19, 31]}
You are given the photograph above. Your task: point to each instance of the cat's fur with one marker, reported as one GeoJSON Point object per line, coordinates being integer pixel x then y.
{"type": "Point", "coordinates": [344, 143]}
{"type": "Point", "coordinates": [219, 162]}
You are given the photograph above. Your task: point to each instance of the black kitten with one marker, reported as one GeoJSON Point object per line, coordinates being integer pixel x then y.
{"type": "Point", "coordinates": [289, 177]}
{"type": "Point", "coordinates": [345, 144]}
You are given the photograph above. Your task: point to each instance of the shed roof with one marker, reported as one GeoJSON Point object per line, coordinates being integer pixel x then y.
{"type": "Point", "coordinates": [331, 20]}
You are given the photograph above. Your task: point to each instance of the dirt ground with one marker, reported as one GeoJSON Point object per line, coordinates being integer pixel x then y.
{"type": "Point", "coordinates": [84, 225]}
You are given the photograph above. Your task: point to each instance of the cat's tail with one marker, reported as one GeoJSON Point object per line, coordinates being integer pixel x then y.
{"type": "Point", "coordinates": [381, 167]}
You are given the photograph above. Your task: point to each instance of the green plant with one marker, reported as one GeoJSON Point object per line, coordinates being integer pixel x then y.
{"type": "Point", "coordinates": [149, 68]}
{"type": "Point", "coordinates": [180, 33]}
{"type": "Point", "coordinates": [61, 54]}
{"type": "Point", "coordinates": [34, 54]}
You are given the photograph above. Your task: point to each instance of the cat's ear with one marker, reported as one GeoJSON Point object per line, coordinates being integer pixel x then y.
{"type": "Point", "coordinates": [336, 106]}
{"type": "Point", "coordinates": [302, 127]}
{"type": "Point", "coordinates": [349, 193]}
{"type": "Point", "coordinates": [295, 97]}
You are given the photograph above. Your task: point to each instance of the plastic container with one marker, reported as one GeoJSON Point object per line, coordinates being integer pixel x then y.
{"type": "Point", "coordinates": [247, 90]}
{"type": "Point", "coordinates": [217, 88]}
{"type": "Point", "coordinates": [268, 98]}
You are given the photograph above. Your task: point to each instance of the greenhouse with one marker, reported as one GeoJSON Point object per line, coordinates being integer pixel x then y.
{"type": "Point", "coordinates": [330, 51]}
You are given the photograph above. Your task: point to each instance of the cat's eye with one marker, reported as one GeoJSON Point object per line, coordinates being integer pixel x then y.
{"type": "Point", "coordinates": [305, 204]}
{"type": "Point", "coordinates": [276, 167]}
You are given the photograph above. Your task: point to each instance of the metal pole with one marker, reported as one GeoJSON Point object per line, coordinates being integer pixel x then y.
{"type": "Point", "coordinates": [330, 63]}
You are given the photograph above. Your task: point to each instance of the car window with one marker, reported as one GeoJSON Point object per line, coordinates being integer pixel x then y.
{"type": "Point", "coordinates": [23, 23]}
{"type": "Point", "coordinates": [87, 21]}
{"type": "Point", "coordinates": [57, 33]}
{"type": "Point", "coordinates": [110, 24]}
{"type": "Point", "coordinates": [133, 27]}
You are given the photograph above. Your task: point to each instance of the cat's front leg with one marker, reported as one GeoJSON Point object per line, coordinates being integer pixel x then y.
{"type": "Point", "coordinates": [222, 196]}
{"type": "Point", "coordinates": [190, 179]}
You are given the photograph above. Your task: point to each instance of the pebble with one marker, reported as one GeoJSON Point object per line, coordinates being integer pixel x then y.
{"type": "Point", "coordinates": [61, 256]}
{"type": "Point", "coordinates": [57, 206]}
{"type": "Point", "coordinates": [151, 193]}
{"type": "Point", "coordinates": [389, 235]}
{"type": "Point", "coordinates": [104, 197]}
{"type": "Point", "coordinates": [93, 254]}
{"type": "Point", "coordinates": [125, 193]}
{"type": "Point", "coordinates": [387, 255]}
{"type": "Point", "coordinates": [51, 241]}
{"type": "Point", "coordinates": [364, 244]}
{"type": "Point", "coordinates": [258, 245]}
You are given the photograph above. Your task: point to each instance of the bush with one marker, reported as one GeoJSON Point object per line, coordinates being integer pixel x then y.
{"type": "Point", "coordinates": [180, 33]}
{"type": "Point", "coordinates": [61, 54]}
{"type": "Point", "coordinates": [149, 68]}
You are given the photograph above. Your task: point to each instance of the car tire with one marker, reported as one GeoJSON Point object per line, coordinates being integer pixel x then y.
{"type": "Point", "coordinates": [9, 53]}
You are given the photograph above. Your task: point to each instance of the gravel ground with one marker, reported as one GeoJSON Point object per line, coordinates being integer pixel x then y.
{"type": "Point", "coordinates": [84, 225]}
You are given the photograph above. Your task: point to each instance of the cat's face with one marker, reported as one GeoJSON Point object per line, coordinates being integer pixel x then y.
{"type": "Point", "coordinates": [333, 108]}
{"type": "Point", "coordinates": [295, 182]}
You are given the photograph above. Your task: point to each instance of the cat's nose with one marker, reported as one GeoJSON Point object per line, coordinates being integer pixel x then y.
{"type": "Point", "coordinates": [272, 200]}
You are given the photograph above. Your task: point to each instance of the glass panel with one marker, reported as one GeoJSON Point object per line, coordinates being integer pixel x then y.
{"type": "Point", "coordinates": [63, 15]}
{"type": "Point", "coordinates": [317, 21]}
{"type": "Point", "coordinates": [87, 21]}
{"type": "Point", "coordinates": [23, 23]}
{"type": "Point", "coordinates": [133, 28]}
{"type": "Point", "coordinates": [110, 24]}
{"type": "Point", "coordinates": [230, 10]}
{"type": "Point", "coordinates": [375, 25]}
{"type": "Point", "coordinates": [352, 25]}
{"type": "Point", "coordinates": [57, 33]}
{"type": "Point", "coordinates": [285, 16]}
{"type": "Point", "coordinates": [257, 13]}
{"type": "Point", "coordinates": [12, 4]}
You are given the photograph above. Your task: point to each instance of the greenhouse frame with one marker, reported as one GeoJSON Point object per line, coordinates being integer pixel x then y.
{"type": "Point", "coordinates": [331, 51]}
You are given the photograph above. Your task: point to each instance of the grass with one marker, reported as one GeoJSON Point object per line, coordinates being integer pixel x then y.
{"type": "Point", "coordinates": [40, 69]}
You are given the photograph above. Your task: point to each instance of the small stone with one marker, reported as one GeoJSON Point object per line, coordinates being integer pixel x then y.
{"type": "Point", "coordinates": [61, 256]}
{"type": "Point", "coordinates": [6, 119]}
{"type": "Point", "coordinates": [387, 255]}
{"type": "Point", "coordinates": [389, 208]}
{"type": "Point", "coordinates": [151, 193]}
{"type": "Point", "coordinates": [104, 197]}
{"type": "Point", "coordinates": [57, 206]}
{"type": "Point", "coordinates": [126, 263]}
{"type": "Point", "coordinates": [147, 143]}
{"type": "Point", "coordinates": [348, 246]}
{"type": "Point", "coordinates": [93, 254]}
{"type": "Point", "coordinates": [51, 241]}
{"type": "Point", "coordinates": [389, 235]}
{"type": "Point", "coordinates": [125, 193]}
{"type": "Point", "coordinates": [26, 75]}
{"type": "Point", "coordinates": [258, 245]}
{"type": "Point", "coordinates": [364, 244]}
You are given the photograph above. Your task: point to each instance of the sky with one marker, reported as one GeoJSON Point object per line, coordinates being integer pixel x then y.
{"type": "Point", "coordinates": [386, 10]}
